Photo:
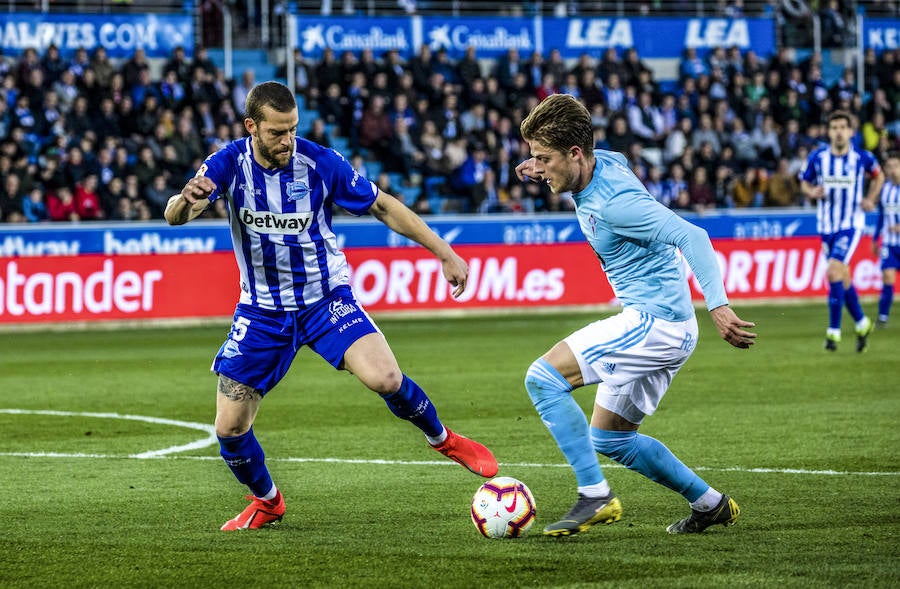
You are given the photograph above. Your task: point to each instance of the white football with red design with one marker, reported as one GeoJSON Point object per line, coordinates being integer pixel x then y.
{"type": "Point", "coordinates": [503, 507]}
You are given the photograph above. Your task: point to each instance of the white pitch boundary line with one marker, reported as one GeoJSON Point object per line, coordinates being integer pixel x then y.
{"type": "Point", "coordinates": [209, 430]}
{"type": "Point", "coordinates": [166, 453]}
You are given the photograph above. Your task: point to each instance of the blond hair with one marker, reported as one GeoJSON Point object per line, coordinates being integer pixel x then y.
{"type": "Point", "coordinates": [559, 122]}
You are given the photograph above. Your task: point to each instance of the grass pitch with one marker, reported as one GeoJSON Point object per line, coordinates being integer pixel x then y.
{"type": "Point", "coordinates": [805, 441]}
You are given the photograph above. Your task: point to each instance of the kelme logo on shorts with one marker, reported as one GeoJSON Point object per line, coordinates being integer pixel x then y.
{"type": "Point", "coordinates": [269, 222]}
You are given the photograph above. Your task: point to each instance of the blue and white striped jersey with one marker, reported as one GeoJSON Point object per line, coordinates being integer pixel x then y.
{"type": "Point", "coordinates": [280, 219]}
{"type": "Point", "coordinates": [888, 214]}
{"type": "Point", "coordinates": [842, 176]}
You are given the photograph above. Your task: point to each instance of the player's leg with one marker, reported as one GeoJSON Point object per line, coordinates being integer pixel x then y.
{"type": "Point", "coordinates": [835, 273]}
{"type": "Point", "coordinates": [550, 381]}
{"type": "Point", "coordinates": [634, 382]}
{"type": "Point", "coordinates": [236, 408]}
{"type": "Point", "coordinates": [618, 439]}
{"type": "Point", "coordinates": [890, 261]}
{"type": "Point", "coordinates": [370, 358]}
{"type": "Point", "coordinates": [256, 355]}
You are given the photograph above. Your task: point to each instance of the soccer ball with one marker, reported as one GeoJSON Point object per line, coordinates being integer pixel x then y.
{"type": "Point", "coordinates": [503, 507]}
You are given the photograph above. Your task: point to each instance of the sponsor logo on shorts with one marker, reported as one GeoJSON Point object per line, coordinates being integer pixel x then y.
{"type": "Point", "coordinates": [232, 349]}
{"type": "Point", "coordinates": [609, 367]}
{"type": "Point", "coordinates": [339, 309]}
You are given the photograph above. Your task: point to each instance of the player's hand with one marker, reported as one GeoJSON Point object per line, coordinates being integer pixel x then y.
{"type": "Point", "coordinates": [875, 249]}
{"type": "Point", "coordinates": [731, 327]}
{"type": "Point", "coordinates": [456, 271]}
{"type": "Point", "coordinates": [817, 192]}
{"type": "Point", "coordinates": [198, 188]}
{"type": "Point", "coordinates": [867, 205]}
{"type": "Point", "coordinates": [525, 170]}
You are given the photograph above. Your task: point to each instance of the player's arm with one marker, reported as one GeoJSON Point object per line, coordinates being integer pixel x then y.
{"type": "Point", "coordinates": [190, 202]}
{"type": "Point", "coordinates": [870, 202]}
{"type": "Point", "coordinates": [646, 219]}
{"type": "Point", "coordinates": [812, 191]}
{"type": "Point", "coordinates": [399, 218]}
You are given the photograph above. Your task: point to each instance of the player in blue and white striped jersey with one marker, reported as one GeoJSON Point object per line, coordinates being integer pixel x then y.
{"type": "Point", "coordinates": [834, 176]}
{"type": "Point", "coordinates": [888, 229]}
{"type": "Point", "coordinates": [295, 287]}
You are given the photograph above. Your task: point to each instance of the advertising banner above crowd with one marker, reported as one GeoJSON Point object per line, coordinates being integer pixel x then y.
{"type": "Point", "coordinates": [494, 37]}
{"type": "Point", "coordinates": [182, 286]}
{"type": "Point", "coordinates": [213, 236]}
{"type": "Point", "coordinates": [119, 34]}
{"type": "Point", "coordinates": [881, 34]}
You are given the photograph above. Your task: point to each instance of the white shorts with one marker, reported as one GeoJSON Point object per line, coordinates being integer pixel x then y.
{"type": "Point", "coordinates": [633, 356]}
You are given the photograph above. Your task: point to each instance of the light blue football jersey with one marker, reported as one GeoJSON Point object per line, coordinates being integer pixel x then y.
{"type": "Point", "coordinates": [636, 238]}
{"type": "Point", "coordinates": [280, 220]}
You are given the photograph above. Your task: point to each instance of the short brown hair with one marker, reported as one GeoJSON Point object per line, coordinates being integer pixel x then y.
{"type": "Point", "coordinates": [841, 114]}
{"type": "Point", "coordinates": [559, 122]}
{"type": "Point", "coordinates": [273, 94]}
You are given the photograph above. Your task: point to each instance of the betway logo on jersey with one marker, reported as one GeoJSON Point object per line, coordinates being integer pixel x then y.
{"type": "Point", "coordinates": [839, 181]}
{"type": "Point", "coordinates": [269, 222]}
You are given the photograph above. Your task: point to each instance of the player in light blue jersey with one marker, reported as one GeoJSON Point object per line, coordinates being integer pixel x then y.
{"type": "Point", "coordinates": [833, 176]}
{"type": "Point", "coordinates": [634, 355]}
{"type": "Point", "coordinates": [295, 287]}
{"type": "Point", "coordinates": [888, 230]}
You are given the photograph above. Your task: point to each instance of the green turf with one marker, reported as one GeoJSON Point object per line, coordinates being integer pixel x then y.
{"type": "Point", "coordinates": [745, 419]}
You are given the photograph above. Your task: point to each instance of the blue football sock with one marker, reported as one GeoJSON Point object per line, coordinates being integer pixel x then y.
{"type": "Point", "coordinates": [551, 394]}
{"type": "Point", "coordinates": [244, 456]}
{"type": "Point", "coordinates": [835, 304]}
{"type": "Point", "coordinates": [412, 404]}
{"type": "Point", "coordinates": [885, 301]}
{"type": "Point", "coordinates": [651, 458]}
{"type": "Point", "coordinates": [851, 299]}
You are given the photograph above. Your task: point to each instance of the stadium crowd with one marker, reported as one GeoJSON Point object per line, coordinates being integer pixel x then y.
{"type": "Point", "coordinates": [88, 139]}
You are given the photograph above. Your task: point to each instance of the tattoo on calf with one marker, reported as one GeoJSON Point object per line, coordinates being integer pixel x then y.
{"type": "Point", "coordinates": [235, 391]}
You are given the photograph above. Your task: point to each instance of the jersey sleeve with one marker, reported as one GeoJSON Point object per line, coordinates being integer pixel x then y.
{"type": "Point", "coordinates": [347, 187]}
{"type": "Point", "coordinates": [643, 218]}
{"type": "Point", "coordinates": [220, 168]}
{"type": "Point", "coordinates": [808, 172]}
{"type": "Point", "coordinates": [871, 165]}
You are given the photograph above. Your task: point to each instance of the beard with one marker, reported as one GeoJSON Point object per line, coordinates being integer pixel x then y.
{"type": "Point", "coordinates": [272, 158]}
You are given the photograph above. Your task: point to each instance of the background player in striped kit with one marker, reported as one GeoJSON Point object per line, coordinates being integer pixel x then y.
{"type": "Point", "coordinates": [888, 229]}
{"type": "Point", "coordinates": [295, 287]}
{"type": "Point", "coordinates": [834, 176]}
{"type": "Point", "coordinates": [632, 356]}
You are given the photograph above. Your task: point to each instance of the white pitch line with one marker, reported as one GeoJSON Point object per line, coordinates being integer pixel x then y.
{"type": "Point", "coordinates": [383, 462]}
{"type": "Point", "coordinates": [211, 440]}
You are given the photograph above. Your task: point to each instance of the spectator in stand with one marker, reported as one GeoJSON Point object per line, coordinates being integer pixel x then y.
{"type": "Point", "coordinates": [87, 199]}
{"type": "Point", "coordinates": [61, 205]}
{"type": "Point", "coordinates": [33, 206]}
{"type": "Point", "coordinates": [614, 94]}
{"type": "Point", "coordinates": [700, 191]}
{"type": "Point", "coordinates": [691, 65]}
{"type": "Point", "coordinates": [375, 130]}
{"type": "Point", "coordinates": [619, 136]}
{"type": "Point", "coordinates": [749, 189]}
{"type": "Point", "coordinates": [742, 143]}
{"type": "Point", "coordinates": [468, 67]}
{"type": "Point", "coordinates": [11, 200]}
{"type": "Point", "coordinates": [765, 140]}
{"type": "Point", "coordinates": [157, 194]}
{"type": "Point", "coordinates": [508, 66]}
{"type": "Point", "coordinates": [318, 134]}
{"type": "Point", "coordinates": [783, 189]}
{"type": "Point", "coordinates": [239, 94]}
{"type": "Point", "coordinates": [645, 121]}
